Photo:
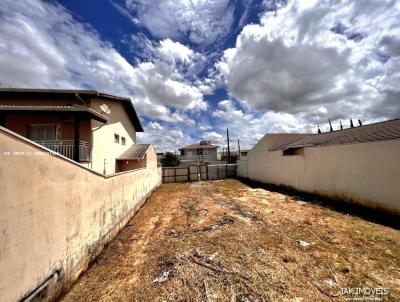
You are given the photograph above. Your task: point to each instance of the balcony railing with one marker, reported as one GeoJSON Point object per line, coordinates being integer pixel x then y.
{"type": "Point", "coordinates": [193, 157]}
{"type": "Point", "coordinates": [66, 148]}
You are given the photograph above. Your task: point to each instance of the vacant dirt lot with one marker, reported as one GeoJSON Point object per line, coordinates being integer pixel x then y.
{"type": "Point", "coordinates": [223, 241]}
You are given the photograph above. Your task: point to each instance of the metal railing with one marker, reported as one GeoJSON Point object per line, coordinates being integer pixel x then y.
{"type": "Point", "coordinates": [193, 157]}
{"type": "Point", "coordinates": [66, 148]}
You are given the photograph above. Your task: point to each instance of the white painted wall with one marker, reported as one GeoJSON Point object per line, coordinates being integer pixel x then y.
{"type": "Point", "coordinates": [366, 173]}
{"type": "Point", "coordinates": [242, 168]}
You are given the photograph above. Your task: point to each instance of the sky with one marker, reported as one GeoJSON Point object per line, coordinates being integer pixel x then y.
{"type": "Point", "coordinates": [194, 68]}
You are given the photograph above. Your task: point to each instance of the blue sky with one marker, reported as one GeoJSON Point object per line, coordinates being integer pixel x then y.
{"type": "Point", "coordinates": [194, 68]}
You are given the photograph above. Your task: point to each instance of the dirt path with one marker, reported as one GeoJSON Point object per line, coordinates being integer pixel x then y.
{"type": "Point", "coordinates": [223, 241]}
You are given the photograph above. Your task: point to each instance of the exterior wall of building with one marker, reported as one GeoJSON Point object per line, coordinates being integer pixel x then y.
{"type": "Point", "coordinates": [193, 154]}
{"type": "Point", "coordinates": [365, 173]}
{"type": "Point", "coordinates": [104, 147]}
{"type": "Point", "coordinates": [19, 123]}
{"type": "Point", "coordinates": [56, 215]}
{"type": "Point", "coordinates": [127, 165]}
{"type": "Point", "coordinates": [212, 155]}
{"type": "Point", "coordinates": [277, 140]}
{"type": "Point", "coordinates": [242, 168]}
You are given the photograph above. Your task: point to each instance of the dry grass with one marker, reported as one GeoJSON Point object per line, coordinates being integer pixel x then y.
{"type": "Point", "coordinates": [223, 241]}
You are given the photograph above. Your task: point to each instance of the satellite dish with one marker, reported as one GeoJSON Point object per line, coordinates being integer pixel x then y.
{"type": "Point", "coordinates": [105, 109]}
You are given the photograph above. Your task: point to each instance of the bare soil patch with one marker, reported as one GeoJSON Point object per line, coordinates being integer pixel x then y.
{"type": "Point", "coordinates": [224, 241]}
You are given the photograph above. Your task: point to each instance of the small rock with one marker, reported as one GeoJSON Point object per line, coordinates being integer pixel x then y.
{"type": "Point", "coordinates": [303, 243]}
{"type": "Point", "coordinates": [164, 277]}
{"type": "Point", "coordinates": [388, 252]}
{"type": "Point", "coordinates": [211, 258]}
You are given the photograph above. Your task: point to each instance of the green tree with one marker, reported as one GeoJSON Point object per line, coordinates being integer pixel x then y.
{"type": "Point", "coordinates": [170, 160]}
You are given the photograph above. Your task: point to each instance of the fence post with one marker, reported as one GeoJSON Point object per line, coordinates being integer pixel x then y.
{"type": "Point", "coordinates": [226, 171]}
{"type": "Point", "coordinates": [207, 172]}
{"type": "Point", "coordinates": [189, 173]}
{"type": "Point", "coordinates": [174, 174]}
{"type": "Point", "coordinates": [217, 171]}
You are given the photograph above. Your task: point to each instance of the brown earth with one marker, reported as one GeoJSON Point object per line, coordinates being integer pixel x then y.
{"type": "Point", "coordinates": [223, 241]}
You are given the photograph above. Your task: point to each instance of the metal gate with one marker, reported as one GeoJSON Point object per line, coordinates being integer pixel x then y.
{"type": "Point", "coordinates": [198, 172]}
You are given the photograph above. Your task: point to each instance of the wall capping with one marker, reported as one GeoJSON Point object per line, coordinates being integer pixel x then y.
{"type": "Point", "coordinates": [62, 157]}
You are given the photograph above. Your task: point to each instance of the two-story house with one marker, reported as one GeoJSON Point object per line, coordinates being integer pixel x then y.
{"type": "Point", "coordinates": [201, 152]}
{"type": "Point", "coordinates": [95, 129]}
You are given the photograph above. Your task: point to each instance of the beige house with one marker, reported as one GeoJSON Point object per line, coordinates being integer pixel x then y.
{"type": "Point", "coordinates": [359, 164]}
{"type": "Point", "coordinates": [95, 129]}
{"type": "Point", "coordinates": [201, 152]}
{"type": "Point", "coordinates": [62, 198]}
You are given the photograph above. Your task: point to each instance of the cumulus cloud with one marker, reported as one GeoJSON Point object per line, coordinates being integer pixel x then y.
{"type": "Point", "coordinates": [42, 45]}
{"type": "Point", "coordinates": [340, 55]}
{"type": "Point", "coordinates": [214, 137]}
{"type": "Point", "coordinates": [249, 126]}
{"type": "Point", "coordinates": [164, 137]}
{"type": "Point", "coordinates": [200, 21]}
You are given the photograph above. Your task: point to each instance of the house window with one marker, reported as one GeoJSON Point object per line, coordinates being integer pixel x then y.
{"type": "Point", "coordinates": [43, 132]}
{"type": "Point", "coordinates": [123, 140]}
{"type": "Point", "coordinates": [116, 138]}
{"type": "Point", "coordinates": [293, 151]}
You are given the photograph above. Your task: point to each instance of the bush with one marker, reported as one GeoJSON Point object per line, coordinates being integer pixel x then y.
{"type": "Point", "coordinates": [170, 160]}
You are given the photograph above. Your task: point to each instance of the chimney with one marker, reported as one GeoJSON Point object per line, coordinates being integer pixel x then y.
{"type": "Point", "coordinates": [330, 126]}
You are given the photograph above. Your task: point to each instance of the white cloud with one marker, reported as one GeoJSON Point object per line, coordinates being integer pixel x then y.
{"type": "Point", "coordinates": [42, 46]}
{"type": "Point", "coordinates": [202, 21]}
{"type": "Point", "coordinates": [214, 137]}
{"type": "Point", "coordinates": [164, 138]}
{"type": "Point", "coordinates": [322, 54]}
{"type": "Point", "coordinates": [175, 51]}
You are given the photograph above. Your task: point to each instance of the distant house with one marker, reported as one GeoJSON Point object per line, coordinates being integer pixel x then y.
{"type": "Point", "coordinates": [358, 164]}
{"type": "Point", "coordinates": [95, 129]}
{"type": "Point", "coordinates": [201, 152]}
{"type": "Point", "coordinates": [242, 154]}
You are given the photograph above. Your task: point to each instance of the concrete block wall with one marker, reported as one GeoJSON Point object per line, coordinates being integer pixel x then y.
{"type": "Point", "coordinates": [55, 216]}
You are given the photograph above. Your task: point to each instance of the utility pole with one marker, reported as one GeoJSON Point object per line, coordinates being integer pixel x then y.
{"type": "Point", "coordinates": [238, 149]}
{"type": "Point", "coordinates": [229, 152]}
